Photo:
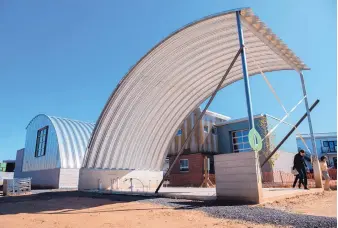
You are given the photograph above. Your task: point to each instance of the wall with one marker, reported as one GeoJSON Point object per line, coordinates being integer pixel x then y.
{"type": "Point", "coordinates": [284, 161]}
{"type": "Point", "coordinates": [47, 178]}
{"type": "Point", "coordinates": [19, 160]}
{"type": "Point", "coordinates": [225, 139]}
{"type": "Point", "coordinates": [89, 178]}
{"type": "Point", "coordinates": [193, 177]}
{"type": "Point", "coordinates": [69, 178]}
{"type": "Point", "coordinates": [238, 177]}
{"type": "Point", "coordinates": [200, 141]}
{"type": "Point", "coordinates": [51, 159]}
{"type": "Point", "coordinates": [5, 175]}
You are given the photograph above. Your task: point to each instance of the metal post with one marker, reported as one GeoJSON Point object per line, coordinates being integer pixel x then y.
{"type": "Point", "coordinates": [245, 71]}
{"type": "Point", "coordinates": [315, 163]}
{"type": "Point", "coordinates": [289, 133]}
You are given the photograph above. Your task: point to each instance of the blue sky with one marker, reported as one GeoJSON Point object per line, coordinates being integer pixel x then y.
{"type": "Point", "coordinates": [64, 58]}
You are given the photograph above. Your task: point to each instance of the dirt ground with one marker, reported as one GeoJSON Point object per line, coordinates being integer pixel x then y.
{"type": "Point", "coordinates": [73, 212]}
{"type": "Point", "coordinates": [321, 204]}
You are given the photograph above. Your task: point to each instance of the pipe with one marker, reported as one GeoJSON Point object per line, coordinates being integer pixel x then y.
{"type": "Point", "coordinates": [290, 132]}
{"type": "Point", "coordinates": [245, 71]}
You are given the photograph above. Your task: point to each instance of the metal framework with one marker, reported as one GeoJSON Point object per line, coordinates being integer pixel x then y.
{"type": "Point", "coordinates": [144, 112]}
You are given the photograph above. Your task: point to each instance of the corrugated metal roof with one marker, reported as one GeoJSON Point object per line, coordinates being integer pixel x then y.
{"type": "Point", "coordinates": [171, 80]}
{"type": "Point", "coordinates": [72, 139]}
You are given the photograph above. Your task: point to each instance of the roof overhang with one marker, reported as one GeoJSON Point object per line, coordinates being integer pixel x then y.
{"type": "Point", "coordinates": [144, 112]}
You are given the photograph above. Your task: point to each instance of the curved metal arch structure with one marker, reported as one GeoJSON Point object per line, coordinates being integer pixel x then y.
{"type": "Point", "coordinates": [72, 137]}
{"type": "Point", "coordinates": [145, 110]}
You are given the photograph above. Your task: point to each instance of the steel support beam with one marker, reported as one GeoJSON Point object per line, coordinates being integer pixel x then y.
{"type": "Point", "coordinates": [200, 117]}
{"type": "Point", "coordinates": [245, 71]}
{"type": "Point", "coordinates": [290, 132]}
{"type": "Point", "coordinates": [315, 162]}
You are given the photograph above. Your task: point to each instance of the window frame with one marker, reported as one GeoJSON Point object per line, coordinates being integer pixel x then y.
{"type": "Point", "coordinates": [214, 130]}
{"type": "Point", "coordinates": [330, 142]}
{"type": "Point", "coordinates": [206, 131]}
{"type": "Point", "coordinates": [184, 169]}
{"type": "Point", "coordinates": [39, 142]}
{"type": "Point", "coordinates": [242, 145]}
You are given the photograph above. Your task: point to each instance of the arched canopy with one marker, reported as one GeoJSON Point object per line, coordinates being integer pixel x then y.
{"type": "Point", "coordinates": [176, 76]}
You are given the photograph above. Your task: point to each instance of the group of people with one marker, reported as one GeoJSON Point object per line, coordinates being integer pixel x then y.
{"type": "Point", "coordinates": [300, 170]}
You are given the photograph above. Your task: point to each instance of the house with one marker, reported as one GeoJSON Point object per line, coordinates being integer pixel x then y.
{"type": "Point", "coordinates": [226, 136]}
{"type": "Point", "coordinates": [203, 142]}
{"type": "Point", "coordinates": [326, 144]}
{"type": "Point", "coordinates": [53, 152]}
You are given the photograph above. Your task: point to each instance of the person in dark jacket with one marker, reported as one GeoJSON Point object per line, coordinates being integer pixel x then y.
{"type": "Point", "coordinates": [300, 165]}
{"type": "Point", "coordinates": [296, 180]}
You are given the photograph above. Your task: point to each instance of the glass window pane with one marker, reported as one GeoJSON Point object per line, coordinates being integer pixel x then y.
{"type": "Point", "coordinates": [245, 139]}
{"type": "Point", "coordinates": [246, 146]}
{"type": "Point", "coordinates": [213, 130]}
{"type": "Point", "coordinates": [238, 133]}
{"type": "Point", "coordinates": [245, 132]}
{"type": "Point", "coordinates": [326, 143]}
{"type": "Point", "coordinates": [206, 129]}
{"type": "Point", "coordinates": [239, 140]}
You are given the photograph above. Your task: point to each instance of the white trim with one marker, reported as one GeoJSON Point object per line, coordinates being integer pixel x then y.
{"type": "Point", "coordinates": [217, 115]}
{"type": "Point", "coordinates": [319, 135]}
{"type": "Point", "coordinates": [239, 120]}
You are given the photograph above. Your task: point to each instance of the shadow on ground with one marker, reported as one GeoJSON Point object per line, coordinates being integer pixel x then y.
{"type": "Point", "coordinates": [72, 202]}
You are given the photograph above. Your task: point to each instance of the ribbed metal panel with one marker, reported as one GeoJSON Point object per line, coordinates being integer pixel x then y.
{"type": "Point", "coordinates": [66, 143]}
{"type": "Point", "coordinates": [149, 104]}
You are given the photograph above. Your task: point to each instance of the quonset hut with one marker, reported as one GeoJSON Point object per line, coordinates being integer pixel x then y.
{"type": "Point", "coordinates": [54, 150]}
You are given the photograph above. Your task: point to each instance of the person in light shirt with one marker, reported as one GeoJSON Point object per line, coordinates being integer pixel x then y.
{"type": "Point", "coordinates": [325, 173]}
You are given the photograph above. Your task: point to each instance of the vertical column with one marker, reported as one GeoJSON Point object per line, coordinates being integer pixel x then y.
{"type": "Point", "coordinates": [245, 71]}
{"type": "Point", "coordinates": [316, 168]}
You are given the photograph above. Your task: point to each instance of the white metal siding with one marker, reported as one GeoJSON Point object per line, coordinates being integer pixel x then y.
{"type": "Point", "coordinates": [66, 143]}
{"type": "Point", "coordinates": [49, 161]}
{"type": "Point", "coordinates": [73, 137]}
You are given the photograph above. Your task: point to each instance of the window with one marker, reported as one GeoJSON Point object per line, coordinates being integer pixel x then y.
{"type": "Point", "coordinates": [206, 129]}
{"type": "Point", "coordinates": [184, 165]}
{"type": "Point", "coordinates": [41, 142]}
{"type": "Point", "coordinates": [179, 132]}
{"type": "Point", "coordinates": [332, 145]}
{"type": "Point", "coordinates": [240, 141]}
{"type": "Point", "coordinates": [214, 130]}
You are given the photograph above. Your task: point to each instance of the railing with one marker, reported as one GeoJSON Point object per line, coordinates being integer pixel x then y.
{"type": "Point", "coordinates": [17, 186]}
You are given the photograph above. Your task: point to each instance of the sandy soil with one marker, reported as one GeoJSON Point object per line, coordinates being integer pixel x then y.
{"type": "Point", "coordinates": [322, 204]}
{"type": "Point", "coordinates": [76, 212]}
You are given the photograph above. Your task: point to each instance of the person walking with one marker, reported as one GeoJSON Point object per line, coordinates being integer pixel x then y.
{"type": "Point", "coordinates": [296, 178]}
{"type": "Point", "coordinates": [300, 165]}
{"type": "Point", "coordinates": [325, 173]}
